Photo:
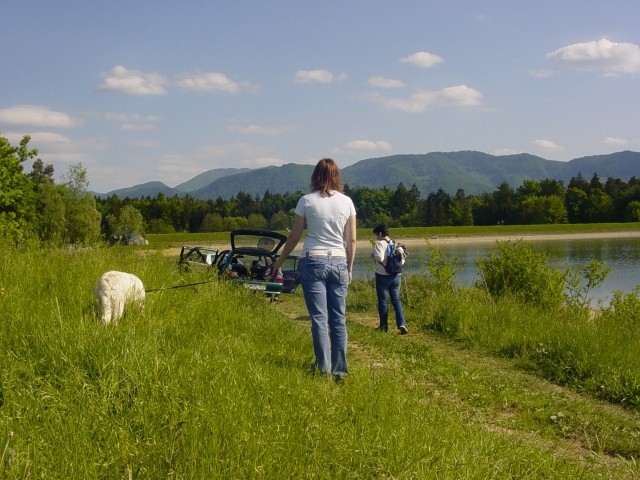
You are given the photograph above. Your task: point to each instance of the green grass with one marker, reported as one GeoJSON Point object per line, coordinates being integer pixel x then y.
{"type": "Point", "coordinates": [211, 381]}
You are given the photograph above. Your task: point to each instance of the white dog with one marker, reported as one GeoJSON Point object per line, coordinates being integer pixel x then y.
{"type": "Point", "coordinates": [114, 291]}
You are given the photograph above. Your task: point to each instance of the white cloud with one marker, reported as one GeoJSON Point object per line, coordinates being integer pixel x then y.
{"type": "Point", "coordinates": [235, 154]}
{"type": "Point", "coordinates": [67, 158]}
{"type": "Point", "coordinates": [422, 100]}
{"type": "Point", "coordinates": [382, 82]}
{"type": "Point", "coordinates": [137, 127]}
{"type": "Point", "coordinates": [210, 81]}
{"type": "Point", "coordinates": [368, 145]}
{"type": "Point", "coordinates": [603, 55]}
{"type": "Point", "coordinates": [266, 162]}
{"type": "Point", "coordinates": [36, 116]}
{"type": "Point", "coordinates": [615, 141]}
{"type": "Point", "coordinates": [422, 59]}
{"type": "Point", "coordinates": [547, 145]}
{"type": "Point", "coordinates": [176, 168]}
{"type": "Point", "coordinates": [130, 117]}
{"type": "Point", "coordinates": [506, 151]}
{"type": "Point", "coordinates": [132, 82]}
{"type": "Point", "coordinates": [541, 73]}
{"type": "Point", "coordinates": [54, 148]}
{"type": "Point", "coordinates": [318, 76]}
{"type": "Point", "coordinates": [260, 129]}
{"type": "Point", "coordinates": [131, 122]}
{"type": "Point", "coordinates": [49, 138]}
{"type": "Point", "coordinates": [222, 150]}
{"type": "Point", "coordinates": [145, 143]}
{"type": "Point", "coordinates": [38, 139]}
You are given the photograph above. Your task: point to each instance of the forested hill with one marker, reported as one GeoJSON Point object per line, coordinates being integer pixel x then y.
{"type": "Point", "coordinates": [206, 178]}
{"type": "Point", "coordinates": [474, 172]}
{"type": "Point", "coordinates": [288, 178]}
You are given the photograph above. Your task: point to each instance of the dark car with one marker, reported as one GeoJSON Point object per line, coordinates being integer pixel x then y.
{"type": "Point", "coordinates": [197, 257]}
{"type": "Point", "coordinates": [251, 253]}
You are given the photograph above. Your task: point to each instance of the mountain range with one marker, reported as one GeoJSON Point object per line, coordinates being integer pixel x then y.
{"type": "Point", "coordinates": [474, 172]}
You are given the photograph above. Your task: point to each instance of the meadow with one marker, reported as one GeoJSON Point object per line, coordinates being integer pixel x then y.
{"type": "Point", "coordinates": [212, 381]}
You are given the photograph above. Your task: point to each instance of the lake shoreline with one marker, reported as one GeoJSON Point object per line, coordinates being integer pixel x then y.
{"type": "Point", "coordinates": [492, 238]}
{"type": "Point", "coordinates": [443, 240]}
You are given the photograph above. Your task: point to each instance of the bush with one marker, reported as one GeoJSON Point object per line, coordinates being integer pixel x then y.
{"type": "Point", "coordinates": [624, 309]}
{"type": "Point", "coordinates": [442, 270]}
{"type": "Point", "coordinates": [515, 269]}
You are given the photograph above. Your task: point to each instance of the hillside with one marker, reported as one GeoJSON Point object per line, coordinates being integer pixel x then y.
{"type": "Point", "coordinates": [287, 178]}
{"type": "Point", "coordinates": [623, 165]}
{"type": "Point", "coordinates": [474, 172]}
{"type": "Point", "coordinates": [150, 189]}
{"type": "Point", "coordinates": [208, 177]}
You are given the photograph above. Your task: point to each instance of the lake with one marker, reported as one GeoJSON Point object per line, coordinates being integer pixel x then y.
{"type": "Point", "coordinates": [621, 255]}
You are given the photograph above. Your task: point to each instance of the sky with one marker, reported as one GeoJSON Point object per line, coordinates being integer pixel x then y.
{"type": "Point", "coordinates": [139, 91]}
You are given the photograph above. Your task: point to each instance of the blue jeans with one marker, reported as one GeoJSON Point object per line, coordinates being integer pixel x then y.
{"type": "Point", "coordinates": [324, 283]}
{"type": "Point", "coordinates": [391, 284]}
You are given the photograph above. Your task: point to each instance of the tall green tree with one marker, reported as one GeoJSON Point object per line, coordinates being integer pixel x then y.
{"type": "Point", "coordinates": [632, 211]}
{"type": "Point", "coordinates": [576, 201]}
{"type": "Point", "coordinates": [599, 206]}
{"type": "Point", "coordinates": [41, 173]}
{"type": "Point", "coordinates": [213, 222]}
{"type": "Point", "coordinates": [436, 209]}
{"type": "Point", "coordinates": [17, 197]}
{"type": "Point", "coordinates": [280, 221]}
{"type": "Point", "coordinates": [128, 223]}
{"type": "Point", "coordinates": [50, 222]}
{"type": "Point", "coordinates": [504, 199]}
{"type": "Point", "coordinates": [460, 210]}
{"type": "Point", "coordinates": [82, 216]}
{"type": "Point", "coordinates": [257, 221]}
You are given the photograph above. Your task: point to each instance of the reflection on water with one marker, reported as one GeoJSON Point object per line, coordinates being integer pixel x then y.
{"type": "Point", "coordinates": [621, 255]}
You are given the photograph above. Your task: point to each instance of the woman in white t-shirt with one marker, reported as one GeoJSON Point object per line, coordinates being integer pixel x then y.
{"type": "Point", "coordinates": [326, 264]}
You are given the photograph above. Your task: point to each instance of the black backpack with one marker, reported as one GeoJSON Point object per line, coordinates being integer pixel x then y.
{"type": "Point", "coordinates": [396, 254]}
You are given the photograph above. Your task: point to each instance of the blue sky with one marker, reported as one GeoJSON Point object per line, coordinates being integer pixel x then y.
{"type": "Point", "coordinates": [144, 90]}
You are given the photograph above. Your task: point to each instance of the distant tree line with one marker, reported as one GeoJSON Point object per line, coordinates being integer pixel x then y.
{"type": "Point", "coordinates": [533, 202]}
{"type": "Point", "coordinates": [33, 206]}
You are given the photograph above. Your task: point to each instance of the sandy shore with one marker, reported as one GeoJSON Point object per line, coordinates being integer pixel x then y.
{"type": "Point", "coordinates": [466, 239]}
{"type": "Point", "coordinates": [365, 243]}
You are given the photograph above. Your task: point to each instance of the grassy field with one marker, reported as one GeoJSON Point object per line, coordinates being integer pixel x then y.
{"type": "Point", "coordinates": [211, 381]}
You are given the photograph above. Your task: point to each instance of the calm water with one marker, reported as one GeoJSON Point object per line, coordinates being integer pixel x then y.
{"type": "Point", "coordinates": [621, 255]}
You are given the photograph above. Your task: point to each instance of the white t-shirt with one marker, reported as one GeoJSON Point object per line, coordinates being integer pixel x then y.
{"type": "Point", "coordinates": [379, 256]}
{"type": "Point", "coordinates": [326, 218]}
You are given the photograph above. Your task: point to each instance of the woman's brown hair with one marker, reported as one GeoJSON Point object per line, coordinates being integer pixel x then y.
{"type": "Point", "coordinates": [326, 177]}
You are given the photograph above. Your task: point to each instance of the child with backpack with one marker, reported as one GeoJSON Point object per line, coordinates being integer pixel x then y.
{"type": "Point", "coordinates": [389, 257]}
